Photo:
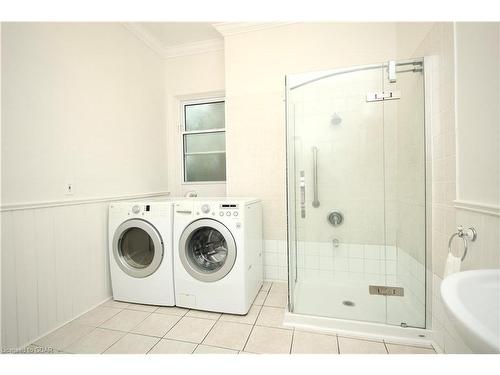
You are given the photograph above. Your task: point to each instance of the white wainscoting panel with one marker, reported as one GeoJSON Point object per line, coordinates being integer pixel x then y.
{"type": "Point", "coordinates": [54, 268]}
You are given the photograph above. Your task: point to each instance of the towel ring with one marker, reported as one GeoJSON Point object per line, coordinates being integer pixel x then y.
{"type": "Point", "coordinates": [465, 235]}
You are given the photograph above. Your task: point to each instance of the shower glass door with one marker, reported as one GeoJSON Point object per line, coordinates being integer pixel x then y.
{"type": "Point", "coordinates": [356, 183]}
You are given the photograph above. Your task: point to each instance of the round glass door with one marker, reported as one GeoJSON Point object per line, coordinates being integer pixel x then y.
{"type": "Point", "coordinates": [207, 250]}
{"type": "Point", "coordinates": [137, 248]}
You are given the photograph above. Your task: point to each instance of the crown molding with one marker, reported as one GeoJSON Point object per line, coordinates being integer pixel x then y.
{"type": "Point", "coordinates": [173, 51]}
{"type": "Point", "coordinates": [233, 28]}
{"type": "Point", "coordinates": [185, 49]}
{"type": "Point", "coordinates": [142, 34]}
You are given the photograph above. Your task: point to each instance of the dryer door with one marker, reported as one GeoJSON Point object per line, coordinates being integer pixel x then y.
{"type": "Point", "coordinates": [138, 248]}
{"type": "Point", "coordinates": [207, 250]}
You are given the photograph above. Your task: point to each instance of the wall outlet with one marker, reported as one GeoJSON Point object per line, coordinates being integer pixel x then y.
{"type": "Point", "coordinates": [68, 188]}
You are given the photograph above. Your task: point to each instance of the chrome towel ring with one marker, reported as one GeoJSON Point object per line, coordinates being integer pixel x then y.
{"type": "Point", "coordinates": [465, 235]}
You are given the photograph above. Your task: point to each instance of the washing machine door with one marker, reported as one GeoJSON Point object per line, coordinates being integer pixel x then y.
{"type": "Point", "coordinates": [137, 248]}
{"type": "Point", "coordinates": [207, 250]}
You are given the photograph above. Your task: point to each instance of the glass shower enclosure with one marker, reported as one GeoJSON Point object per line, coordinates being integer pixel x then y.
{"type": "Point", "coordinates": [356, 193]}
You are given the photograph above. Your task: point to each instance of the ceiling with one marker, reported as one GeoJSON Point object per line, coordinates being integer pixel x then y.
{"type": "Point", "coordinates": [169, 34]}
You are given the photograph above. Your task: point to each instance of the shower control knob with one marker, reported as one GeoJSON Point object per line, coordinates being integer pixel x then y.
{"type": "Point", "coordinates": [205, 208]}
{"type": "Point", "coordinates": [136, 209]}
{"type": "Point", "coordinates": [335, 218]}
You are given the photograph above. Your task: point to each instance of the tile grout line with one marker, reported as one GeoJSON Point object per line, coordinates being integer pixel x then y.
{"type": "Point", "coordinates": [131, 332]}
{"type": "Point", "coordinates": [386, 349]}
{"type": "Point", "coordinates": [78, 339]}
{"type": "Point", "coordinates": [156, 343]}
{"type": "Point", "coordinates": [126, 332]}
{"type": "Point", "coordinates": [257, 318]}
{"type": "Point", "coordinates": [250, 334]}
{"type": "Point", "coordinates": [210, 330]}
{"type": "Point", "coordinates": [121, 338]}
{"type": "Point", "coordinates": [133, 326]}
{"type": "Point", "coordinates": [105, 350]}
{"type": "Point", "coordinates": [214, 346]}
{"type": "Point", "coordinates": [177, 322]}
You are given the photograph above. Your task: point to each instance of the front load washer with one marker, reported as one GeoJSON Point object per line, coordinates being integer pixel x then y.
{"type": "Point", "coordinates": [140, 252]}
{"type": "Point", "coordinates": [218, 253]}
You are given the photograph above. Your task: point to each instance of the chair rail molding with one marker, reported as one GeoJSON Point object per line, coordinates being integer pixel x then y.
{"type": "Point", "coordinates": [483, 208]}
{"type": "Point", "coordinates": [75, 202]}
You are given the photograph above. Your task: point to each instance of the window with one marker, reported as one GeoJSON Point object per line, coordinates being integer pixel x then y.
{"type": "Point", "coordinates": [204, 141]}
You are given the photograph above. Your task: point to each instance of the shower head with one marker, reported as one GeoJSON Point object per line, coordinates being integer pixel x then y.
{"type": "Point", "coordinates": [336, 119]}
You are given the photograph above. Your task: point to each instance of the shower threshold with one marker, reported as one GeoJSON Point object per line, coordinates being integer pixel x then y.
{"type": "Point", "coordinates": [359, 329]}
{"type": "Point", "coordinates": [348, 309]}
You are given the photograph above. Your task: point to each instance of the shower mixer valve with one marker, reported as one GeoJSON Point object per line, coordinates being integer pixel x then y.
{"type": "Point", "coordinates": [335, 218]}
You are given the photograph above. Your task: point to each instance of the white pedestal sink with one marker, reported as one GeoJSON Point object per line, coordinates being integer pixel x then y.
{"type": "Point", "coordinates": [472, 299]}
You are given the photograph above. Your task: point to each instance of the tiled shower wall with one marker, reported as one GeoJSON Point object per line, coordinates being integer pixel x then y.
{"type": "Point", "coordinates": [438, 46]}
{"type": "Point", "coordinates": [341, 263]}
{"type": "Point", "coordinates": [350, 158]}
{"type": "Point", "coordinates": [275, 260]}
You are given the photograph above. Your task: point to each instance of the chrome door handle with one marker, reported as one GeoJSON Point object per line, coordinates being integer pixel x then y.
{"type": "Point", "coordinates": [315, 202]}
{"type": "Point", "coordinates": [302, 185]}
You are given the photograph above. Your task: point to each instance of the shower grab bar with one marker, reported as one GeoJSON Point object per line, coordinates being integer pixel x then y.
{"type": "Point", "coordinates": [302, 194]}
{"type": "Point", "coordinates": [315, 202]}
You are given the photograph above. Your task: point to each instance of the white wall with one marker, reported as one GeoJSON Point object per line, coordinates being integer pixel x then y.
{"type": "Point", "coordinates": [1, 329]}
{"type": "Point", "coordinates": [81, 103]}
{"type": "Point", "coordinates": [447, 155]}
{"type": "Point", "coordinates": [190, 77]}
{"type": "Point", "coordinates": [478, 112]}
{"type": "Point", "coordinates": [437, 46]}
{"type": "Point", "coordinates": [478, 139]}
{"type": "Point", "coordinates": [409, 36]}
{"type": "Point", "coordinates": [256, 64]}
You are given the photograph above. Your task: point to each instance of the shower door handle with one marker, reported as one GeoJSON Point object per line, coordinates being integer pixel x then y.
{"type": "Point", "coordinates": [315, 202]}
{"type": "Point", "coordinates": [302, 185]}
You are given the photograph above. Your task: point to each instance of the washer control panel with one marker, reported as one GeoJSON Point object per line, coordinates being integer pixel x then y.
{"type": "Point", "coordinates": [229, 210]}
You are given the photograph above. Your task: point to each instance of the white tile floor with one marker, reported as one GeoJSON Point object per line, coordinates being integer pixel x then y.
{"type": "Point", "coordinates": [117, 327]}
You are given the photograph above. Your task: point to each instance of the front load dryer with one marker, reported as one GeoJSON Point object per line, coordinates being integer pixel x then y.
{"type": "Point", "coordinates": [140, 252]}
{"type": "Point", "coordinates": [218, 254]}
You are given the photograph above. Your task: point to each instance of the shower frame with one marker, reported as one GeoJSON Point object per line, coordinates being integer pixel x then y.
{"type": "Point", "coordinates": [406, 334]}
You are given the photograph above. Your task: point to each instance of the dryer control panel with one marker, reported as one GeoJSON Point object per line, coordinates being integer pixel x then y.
{"type": "Point", "coordinates": [229, 209]}
{"type": "Point", "coordinates": [148, 209]}
{"type": "Point", "coordinates": [138, 208]}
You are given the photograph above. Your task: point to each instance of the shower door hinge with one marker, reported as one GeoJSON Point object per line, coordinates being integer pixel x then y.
{"type": "Point", "coordinates": [384, 290]}
{"type": "Point", "coordinates": [383, 95]}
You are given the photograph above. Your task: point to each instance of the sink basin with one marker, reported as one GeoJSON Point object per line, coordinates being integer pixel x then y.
{"type": "Point", "coordinates": [472, 299]}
